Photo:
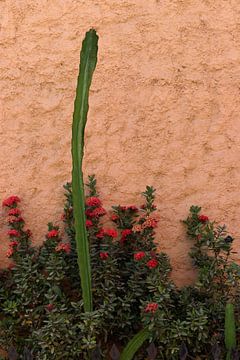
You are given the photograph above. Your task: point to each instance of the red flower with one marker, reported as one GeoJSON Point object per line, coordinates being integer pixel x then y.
{"type": "Point", "coordinates": [151, 307]}
{"type": "Point", "coordinates": [28, 233]}
{"type": "Point", "coordinates": [139, 255]}
{"type": "Point", "coordinates": [50, 307]}
{"type": "Point", "coordinates": [103, 255]}
{"type": "Point", "coordinates": [12, 200]}
{"type": "Point", "coordinates": [15, 220]}
{"type": "Point", "coordinates": [89, 223]}
{"type": "Point", "coordinates": [203, 218]}
{"type": "Point", "coordinates": [63, 247]}
{"type": "Point", "coordinates": [100, 234]}
{"type": "Point", "coordinates": [13, 243]}
{"type": "Point", "coordinates": [14, 233]}
{"type": "Point", "coordinates": [126, 232]}
{"type": "Point", "coordinates": [14, 212]}
{"type": "Point", "coordinates": [149, 223]}
{"type": "Point", "coordinates": [63, 217]}
{"type": "Point", "coordinates": [123, 208]}
{"type": "Point", "coordinates": [10, 252]}
{"type": "Point", "coordinates": [132, 208]}
{"type": "Point", "coordinates": [152, 263]}
{"type": "Point", "coordinates": [114, 217]}
{"type": "Point", "coordinates": [52, 233]}
{"type": "Point", "coordinates": [111, 232]}
{"type": "Point", "coordinates": [96, 212]}
{"type": "Point", "coordinates": [93, 201]}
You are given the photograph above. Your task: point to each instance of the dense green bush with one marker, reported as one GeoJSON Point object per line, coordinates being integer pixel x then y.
{"type": "Point", "coordinates": [41, 303]}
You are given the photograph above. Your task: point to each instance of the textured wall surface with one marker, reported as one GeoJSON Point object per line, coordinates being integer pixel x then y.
{"type": "Point", "coordinates": [164, 109]}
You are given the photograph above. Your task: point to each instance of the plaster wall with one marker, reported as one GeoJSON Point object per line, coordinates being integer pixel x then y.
{"type": "Point", "coordinates": [164, 109]}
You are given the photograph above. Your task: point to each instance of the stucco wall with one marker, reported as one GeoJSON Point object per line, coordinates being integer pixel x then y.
{"type": "Point", "coordinates": [164, 108]}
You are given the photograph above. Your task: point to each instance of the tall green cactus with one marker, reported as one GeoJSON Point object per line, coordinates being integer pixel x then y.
{"type": "Point", "coordinates": [88, 60]}
{"type": "Point", "coordinates": [230, 330]}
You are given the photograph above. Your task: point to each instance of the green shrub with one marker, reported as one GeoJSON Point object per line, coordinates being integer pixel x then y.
{"type": "Point", "coordinates": [41, 301]}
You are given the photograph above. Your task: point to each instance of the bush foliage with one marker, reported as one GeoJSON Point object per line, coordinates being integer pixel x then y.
{"type": "Point", "coordinates": [41, 307]}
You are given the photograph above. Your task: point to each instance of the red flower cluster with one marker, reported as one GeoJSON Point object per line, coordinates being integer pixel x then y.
{"type": "Point", "coordinates": [132, 208]}
{"type": "Point", "coordinates": [203, 219]}
{"type": "Point", "coordinates": [89, 223]}
{"type": "Point", "coordinates": [125, 233]}
{"type": "Point", "coordinates": [139, 255]}
{"type": "Point", "coordinates": [109, 232]}
{"type": "Point", "coordinates": [93, 201]}
{"type": "Point", "coordinates": [10, 252]}
{"type": "Point", "coordinates": [149, 223]}
{"type": "Point", "coordinates": [50, 307]}
{"type": "Point", "coordinates": [96, 212]}
{"type": "Point", "coordinates": [52, 233]}
{"type": "Point", "coordinates": [14, 212]}
{"type": "Point", "coordinates": [13, 243]}
{"type": "Point", "coordinates": [114, 217]}
{"type": "Point", "coordinates": [151, 307]}
{"type": "Point", "coordinates": [63, 247]}
{"type": "Point", "coordinates": [151, 264]}
{"type": "Point", "coordinates": [14, 233]}
{"type": "Point", "coordinates": [11, 248]}
{"type": "Point", "coordinates": [15, 219]}
{"type": "Point", "coordinates": [104, 255]}
{"type": "Point", "coordinates": [12, 200]}
{"type": "Point", "coordinates": [100, 234]}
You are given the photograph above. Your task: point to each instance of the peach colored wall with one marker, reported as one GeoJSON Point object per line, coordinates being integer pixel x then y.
{"type": "Point", "coordinates": [164, 108]}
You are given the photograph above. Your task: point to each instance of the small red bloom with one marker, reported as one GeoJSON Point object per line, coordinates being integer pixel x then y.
{"type": "Point", "coordinates": [111, 232]}
{"type": "Point", "coordinates": [93, 201]}
{"type": "Point", "coordinates": [63, 217]}
{"type": "Point", "coordinates": [28, 232]}
{"type": "Point", "coordinates": [15, 219]}
{"type": "Point", "coordinates": [132, 208]}
{"type": "Point", "coordinates": [14, 212]}
{"type": "Point", "coordinates": [50, 307]}
{"type": "Point", "coordinates": [96, 212]}
{"type": "Point", "coordinates": [139, 255]}
{"type": "Point", "coordinates": [12, 200]}
{"type": "Point", "coordinates": [89, 223]}
{"type": "Point", "coordinates": [114, 217]}
{"type": "Point", "coordinates": [10, 252]}
{"type": "Point", "coordinates": [123, 208]}
{"type": "Point", "coordinates": [13, 243]}
{"type": "Point", "coordinates": [149, 223]}
{"type": "Point", "coordinates": [203, 218]}
{"type": "Point", "coordinates": [100, 234]}
{"type": "Point", "coordinates": [13, 233]}
{"type": "Point", "coordinates": [151, 307]}
{"type": "Point", "coordinates": [52, 233]}
{"type": "Point", "coordinates": [152, 263]}
{"type": "Point", "coordinates": [63, 247]}
{"type": "Point", "coordinates": [126, 232]}
{"type": "Point", "coordinates": [103, 255]}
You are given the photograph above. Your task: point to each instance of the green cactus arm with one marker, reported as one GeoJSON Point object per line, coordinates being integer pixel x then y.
{"type": "Point", "coordinates": [88, 60]}
{"type": "Point", "coordinates": [230, 330]}
{"type": "Point", "coordinates": [134, 344]}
